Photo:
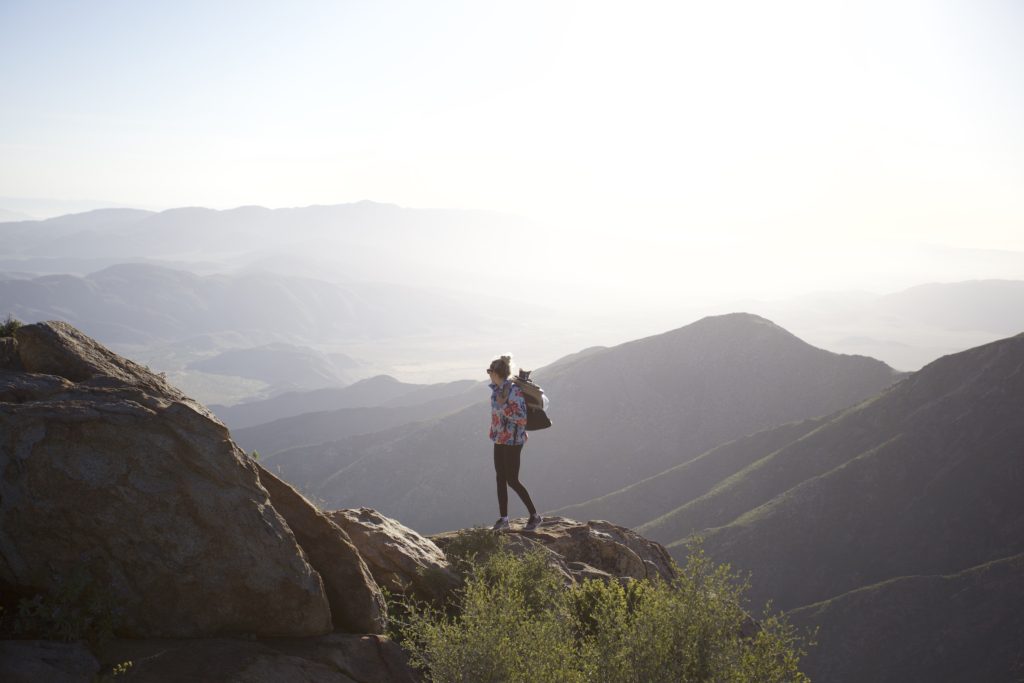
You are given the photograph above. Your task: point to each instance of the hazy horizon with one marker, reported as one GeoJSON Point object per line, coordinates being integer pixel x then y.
{"type": "Point", "coordinates": [680, 122]}
{"type": "Point", "coordinates": [616, 172]}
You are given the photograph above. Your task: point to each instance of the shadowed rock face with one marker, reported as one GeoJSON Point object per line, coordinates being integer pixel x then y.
{"type": "Point", "coordinates": [356, 601]}
{"type": "Point", "coordinates": [108, 470]}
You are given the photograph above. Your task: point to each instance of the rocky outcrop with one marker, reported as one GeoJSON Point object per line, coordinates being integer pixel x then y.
{"type": "Point", "coordinates": [582, 550]}
{"type": "Point", "coordinates": [56, 348]}
{"type": "Point", "coordinates": [356, 602]}
{"type": "Point", "coordinates": [400, 559]}
{"type": "Point", "coordinates": [107, 470]}
{"type": "Point", "coordinates": [334, 658]}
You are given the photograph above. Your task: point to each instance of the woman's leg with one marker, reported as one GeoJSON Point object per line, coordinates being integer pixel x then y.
{"type": "Point", "coordinates": [511, 465]}
{"type": "Point", "coordinates": [499, 474]}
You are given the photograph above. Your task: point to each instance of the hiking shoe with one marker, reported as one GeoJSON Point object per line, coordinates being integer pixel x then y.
{"type": "Point", "coordinates": [533, 522]}
{"type": "Point", "coordinates": [500, 525]}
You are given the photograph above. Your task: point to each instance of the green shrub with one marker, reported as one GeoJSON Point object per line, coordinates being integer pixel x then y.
{"type": "Point", "coordinates": [516, 622]}
{"type": "Point", "coordinates": [8, 326]}
{"type": "Point", "coordinates": [511, 626]}
{"type": "Point", "coordinates": [471, 547]}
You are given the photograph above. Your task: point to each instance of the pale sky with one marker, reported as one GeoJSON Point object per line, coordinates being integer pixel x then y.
{"type": "Point", "coordinates": [682, 126]}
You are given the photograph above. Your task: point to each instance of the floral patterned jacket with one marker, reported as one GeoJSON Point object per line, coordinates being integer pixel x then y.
{"type": "Point", "coordinates": [508, 417]}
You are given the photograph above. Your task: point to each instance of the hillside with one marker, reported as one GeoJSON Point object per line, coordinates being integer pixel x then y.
{"type": "Point", "coordinates": [378, 391]}
{"type": "Point", "coordinates": [332, 425]}
{"type": "Point", "coordinates": [922, 479]}
{"type": "Point", "coordinates": [620, 414]}
{"type": "Point", "coordinates": [282, 366]}
{"type": "Point", "coordinates": [225, 338]}
{"type": "Point", "coordinates": [967, 626]}
{"type": "Point", "coordinates": [650, 498]}
{"type": "Point", "coordinates": [145, 304]}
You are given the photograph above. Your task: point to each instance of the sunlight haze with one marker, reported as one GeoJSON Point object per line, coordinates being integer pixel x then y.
{"type": "Point", "coordinates": [871, 119]}
{"type": "Point", "coordinates": [669, 159]}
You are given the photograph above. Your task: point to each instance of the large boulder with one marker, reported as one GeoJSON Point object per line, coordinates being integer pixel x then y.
{"type": "Point", "coordinates": [401, 560]}
{"type": "Point", "coordinates": [107, 470]}
{"type": "Point", "coordinates": [586, 550]}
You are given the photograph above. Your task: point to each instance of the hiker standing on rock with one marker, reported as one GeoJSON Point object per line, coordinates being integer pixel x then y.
{"type": "Point", "coordinates": [508, 432]}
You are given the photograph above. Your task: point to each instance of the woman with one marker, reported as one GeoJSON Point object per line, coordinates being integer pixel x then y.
{"type": "Point", "coordinates": [508, 432]}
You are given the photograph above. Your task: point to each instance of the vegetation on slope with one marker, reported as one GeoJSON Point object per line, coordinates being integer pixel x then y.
{"type": "Point", "coordinates": [514, 620]}
{"type": "Point", "coordinates": [646, 501]}
{"type": "Point", "coordinates": [965, 626]}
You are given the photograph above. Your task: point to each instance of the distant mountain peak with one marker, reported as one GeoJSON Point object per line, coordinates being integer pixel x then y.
{"type": "Point", "coordinates": [377, 379]}
{"type": "Point", "coordinates": [739, 327]}
{"type": "Point", "coordinates": [101, 217]}
{"type": "Point", "coordinates": [736, 318]}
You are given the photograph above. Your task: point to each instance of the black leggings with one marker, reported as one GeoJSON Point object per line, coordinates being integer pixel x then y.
{"type": "Point", "coordinates": [506, 469]}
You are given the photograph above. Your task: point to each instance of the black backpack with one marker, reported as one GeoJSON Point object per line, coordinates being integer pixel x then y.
{"type": "Point", "coordinates": [536, 402]}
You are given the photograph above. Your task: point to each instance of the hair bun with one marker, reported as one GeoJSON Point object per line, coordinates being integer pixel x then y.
{"type": "Point", "coordinates": [507, 359]}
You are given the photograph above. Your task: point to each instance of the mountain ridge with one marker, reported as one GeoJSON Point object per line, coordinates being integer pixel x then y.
{"type": "Point", "coordinates": [979, 610]}
{"type": "Point", "coordinates": [659, 402]}
{"type": "Point", "coordinates": [928, 487]}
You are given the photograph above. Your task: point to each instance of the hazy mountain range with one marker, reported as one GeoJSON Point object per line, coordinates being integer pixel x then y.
{"type": "Point", "coordinates": [359, 239]}
{"type": "Point", "coordinates": [283, 366]}
{"type": "Point", "coordinates": [373, 392]}
{"type": "Point", "coordinates": [620, 413]}
{"type": "Point", "coordinates": [275, 332]}
{"type": "Point", "coordinates": [143, 304]}
{"type": "Point", "coordinates": [7, 216]}
{"type": "Point", "coordinates": [408, 403]}
{"type": "Point", "coordinates": [41, 208]}
{"type": "Point", "coordinates": [908, 328]}
{"type": "Point", "coordinates": [413, 271]}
